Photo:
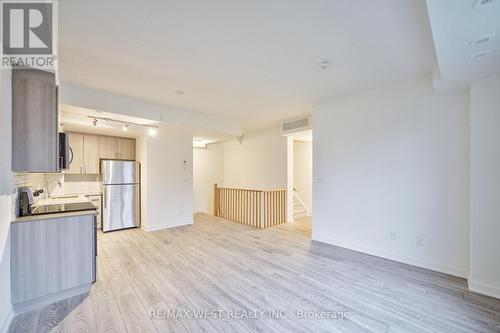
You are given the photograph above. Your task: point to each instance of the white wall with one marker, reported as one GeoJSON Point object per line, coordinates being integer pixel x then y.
{"type": "Point", "coordinates": [141, 151]}
{"type": "Point", "coordinates": [5, 196]}
{"type": "Point", "coordinates": [260, 161]}
{"type": "Point", "coordinates": [395, 159]}
{"type": "Point", "coordinates": [208, 169]}
{"type": "Point", "coordinates": [485, 186]}
{"type": "Point", "coordinates": [167, 178]}
{"type": "Point", "coordinates": [302, 171]}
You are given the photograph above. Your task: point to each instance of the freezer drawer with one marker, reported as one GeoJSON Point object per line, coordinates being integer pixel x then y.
{"type": "Point", "coordinates": [119, 172]}
{"type": "Point", "coordinates": [121, 207]}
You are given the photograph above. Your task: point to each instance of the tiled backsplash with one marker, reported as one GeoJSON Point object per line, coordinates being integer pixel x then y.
{"type": "Point", "coordinates": [58, 184]}
{"type": "Point", "coordinates": [50, 182]}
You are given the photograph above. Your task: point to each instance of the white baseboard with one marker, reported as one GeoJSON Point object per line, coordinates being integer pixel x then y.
{"type": "Point", "coordinates": [6, 324]}
{"type": "Point", "coordinates": [484, 289]}
{"type": "Point", "coordinates": [201, 211]}
{"type": "Point", "coordinates": [162, 227]}
{"type": "Point", "coordinates": [455, 271]}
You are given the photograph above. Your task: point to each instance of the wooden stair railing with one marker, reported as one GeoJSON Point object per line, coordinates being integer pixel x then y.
{"type": "Point", "coordinates": [256, 208]}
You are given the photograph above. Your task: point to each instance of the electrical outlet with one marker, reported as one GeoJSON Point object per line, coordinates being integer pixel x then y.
{"type": "Point", "coordinates": [420, 241]}
{"type": "Point", "coordinates": [393, 236]}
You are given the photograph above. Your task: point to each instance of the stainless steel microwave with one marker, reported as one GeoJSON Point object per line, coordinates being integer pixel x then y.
{"type": "Point", "coordinates": [65, 152]}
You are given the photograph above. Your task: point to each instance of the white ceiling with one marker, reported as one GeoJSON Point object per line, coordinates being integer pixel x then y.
{"type": "Point", "coordinates": [455, 24]}
{"type": "Point", "coordinates": [78, 119]}
{"type": "Point", "coordinates": [252, 61]}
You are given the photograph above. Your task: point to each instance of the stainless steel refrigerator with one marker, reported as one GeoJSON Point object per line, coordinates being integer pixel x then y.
{"type": "Point", "coordinates": [121, 194]}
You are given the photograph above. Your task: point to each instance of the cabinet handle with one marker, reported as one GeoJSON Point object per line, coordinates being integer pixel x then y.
{"type": "Point", "coordinates": [81, 169]}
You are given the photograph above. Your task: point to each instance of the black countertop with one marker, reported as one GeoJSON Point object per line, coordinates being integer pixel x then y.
{"type": "Point", "coordinates": [62, 208]}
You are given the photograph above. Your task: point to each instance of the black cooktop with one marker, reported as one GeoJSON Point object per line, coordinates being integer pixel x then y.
{"type": "Point", "coordinates": [62, 208]}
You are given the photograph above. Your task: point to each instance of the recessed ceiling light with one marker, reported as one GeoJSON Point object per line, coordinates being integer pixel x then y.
{"type": "Point", "coordinates": [152, 131]}
{"type": "Point", "coordinates": [482, 3]}
{"type": "Point", "coordinates": [480, 54]}
{"type": "Point", "coordinates": [324, 64]}
{"type": "Point", "coordinates": [483, 39]}
{"type": "Point", "coordinates": [179, 92]}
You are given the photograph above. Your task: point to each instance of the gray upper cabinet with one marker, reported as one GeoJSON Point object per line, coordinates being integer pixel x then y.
{"type": "Point", "coordinates": [35, 145]}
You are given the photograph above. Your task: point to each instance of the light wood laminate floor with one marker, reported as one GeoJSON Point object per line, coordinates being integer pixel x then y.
{"type": "Point", "coordinates": [233, 270]}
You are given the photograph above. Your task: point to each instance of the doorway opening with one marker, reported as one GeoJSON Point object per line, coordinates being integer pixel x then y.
{"type": "Point", "coordinates": [300, 179]}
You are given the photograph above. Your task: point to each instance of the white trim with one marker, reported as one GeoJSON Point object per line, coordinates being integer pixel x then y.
{"type": "Point", "coordinates": [455, 271]}
{"type": "Point", "coordinates": [167, 226]}
{"type": "Point", "coordinates": [484, 289]}
{"type": "Point", "coordinates": [7, 322]}
{"type": "Point", "coordinates": [202, 211]}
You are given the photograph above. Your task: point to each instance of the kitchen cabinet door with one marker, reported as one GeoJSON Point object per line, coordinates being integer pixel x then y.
{"type": "Point", "coordinates": [126, 149]}
{"type": "Point", "coordinates": [35, 142]}
{"type": "Point", "coordinates": [50, 256]}
{"type": "Point", "coordinates": [108, 147]}
{"type": "Point", "coordinates": [91, 154]}
{"type": "Point", "coordinates": [77, 148]}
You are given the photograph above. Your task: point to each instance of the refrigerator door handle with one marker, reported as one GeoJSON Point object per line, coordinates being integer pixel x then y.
{"type": "Point", "coordinates": [105, 197]}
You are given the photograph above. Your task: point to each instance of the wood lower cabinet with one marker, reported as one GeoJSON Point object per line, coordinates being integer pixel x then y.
{"type": "Point", "coordinates": [52, 255]}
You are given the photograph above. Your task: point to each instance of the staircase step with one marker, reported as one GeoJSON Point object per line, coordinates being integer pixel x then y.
{"type": "Point", "coordinates": [298, 216]}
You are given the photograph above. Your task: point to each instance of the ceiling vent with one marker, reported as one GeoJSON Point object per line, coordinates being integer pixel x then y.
{"type": "Point", "coordinates": [480, 54]}
{"type": "Point", "coordinates": [295, 125]}
{"type": "Point", "coordinates": [483, 39]}
{"type": "Point", "coordinates": [482, 3]}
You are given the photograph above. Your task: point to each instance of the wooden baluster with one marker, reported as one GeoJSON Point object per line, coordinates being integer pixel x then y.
{"type": "Point", "coordinates": [240, 205]}
{"type": "Point", "coordinates": [236, 210]}
{"type": "Point", "coordinates": [269, 211]}
{"type": "Point", "coordinates": [254, 208]}
{"type": "Point", "coordinates": [252, 203]}
{"type": "Point", "coordinates": [275, 207]}
{"type": "Point", "coordinates": [245, 207]}
{"type": "Point", "coordinates": [273, 194]}
{"type": "Point", "coordinates": [281, 207]}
